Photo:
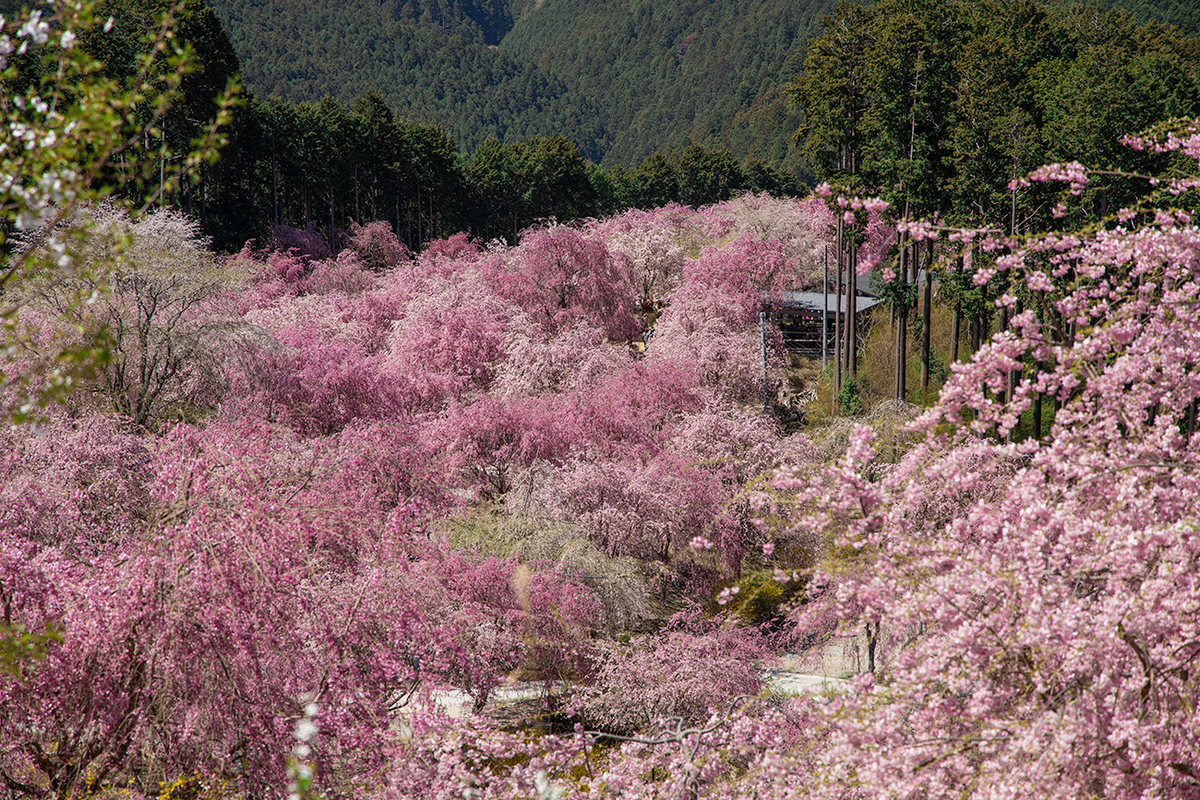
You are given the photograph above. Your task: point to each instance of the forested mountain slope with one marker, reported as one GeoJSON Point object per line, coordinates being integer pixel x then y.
{"type": "Point", "coordinates": [431, 62]}
{"type": "Point", "coordinates": [1182, 13]}
{"type": "Point", "coordinates": [670, 73]}
{"type": "Point", "coordinates": [621, 78]}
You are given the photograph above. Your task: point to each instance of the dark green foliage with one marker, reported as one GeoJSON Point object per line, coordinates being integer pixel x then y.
{"type": "Point", "coordinates": [849, 400]}
{"type": "Point", "coordinates": [622, 80]}
{"type": "Point", "coordinates": [430, 61]}
{"type": "Point", "coordinates": [1180, 13]}
{"type": "Point", "coordinates": [833, 92]}
{"type": "Point", "coordinates": [652, 183]}
{"type": "Point", "coordinates": [517, 184]}
{"type": "Point", "coordinates": [760, 177]}
{"type": "Point", "coordinates": [320, 166]}
{"type": "Point", "coordinates": [938, 105]}
{"type": "Point", "coordinates": [935, 104]}
{"type": "Point", "coordinates": [708, 176]}
{"type": "Point", "coordinates": [761, 599]}
{"type": "Point", "coordinates": [668, 73]}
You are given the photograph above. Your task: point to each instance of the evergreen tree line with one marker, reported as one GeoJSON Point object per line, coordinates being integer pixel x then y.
{"type": "Point", "coordinates": [934, 104]}
{"type": "Point", "coordinates": [321, 166]}
{"type": "Point", "coordinates": [943, 107]}
{"type": "Point", "coordinates": [937, 105]}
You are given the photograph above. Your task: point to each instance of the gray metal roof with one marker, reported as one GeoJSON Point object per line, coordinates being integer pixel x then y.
{"type": "Point", "coordinates": [813, 301]}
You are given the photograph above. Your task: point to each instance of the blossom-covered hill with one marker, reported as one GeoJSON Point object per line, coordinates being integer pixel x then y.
{"type": "Point", "coordinates": [302, 495]}
{"type": "Point", "coordinates": [256, 499]}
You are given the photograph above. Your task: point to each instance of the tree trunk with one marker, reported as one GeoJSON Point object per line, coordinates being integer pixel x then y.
{"type": "Point", "coordinates": [274, 181]}
{"type": "Point", "coordinates": [852, 310]}
{"type": "Point", "coordinates": [838, 318]}
{"type": "Point", "coordinates": [1002, 397]}
{"type": "Point", "coordinates": [332, 224]}
{"type": "Point", "coordinates": [926, 317]}
{"type": "Point", "coordinates": [1036, 416]}
{"type": "Point", "coordinates": [955, 330]}
{"type": "Point", "coordinates": [419, 236]}
{"type": "Point", "coordinates": [902, 331]}
{"type": "Point", "coordinates": [897, 316]}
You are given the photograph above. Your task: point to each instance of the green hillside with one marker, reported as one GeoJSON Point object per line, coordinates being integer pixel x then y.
{"type": "Point", "coordinates": [677, 72]}
{"type": "Point", "coordinates": [1184, 14]}
{"type": "Point", "coordinates": [622, 78]}
{"type": "Point", "coordinates": [431, 62]}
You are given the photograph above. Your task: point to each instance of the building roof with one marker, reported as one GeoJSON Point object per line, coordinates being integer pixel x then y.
{"type": "Point", "coordinates": [815, 301]}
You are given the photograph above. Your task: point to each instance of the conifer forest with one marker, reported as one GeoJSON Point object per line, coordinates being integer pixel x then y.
{"type": "Point", "coordinates": [538, 399]}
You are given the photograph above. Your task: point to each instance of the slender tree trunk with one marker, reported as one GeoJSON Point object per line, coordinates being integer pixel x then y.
{"type": "Point", "coordinates": [910, 276]}
{"type": "Point", "coordinates": [408, 220]}
{"type": "Point", "coordinates": [872, 630]}
{"type": "Point", "coordinates": [274, 181]}
{"type": "Point", "coordinates": [1036, 415]}
{"type": "Point", "coordinates": [1014, 378]}
{"type": "Point", "coordinates": [852, 308]}
{"type": "Point", "coordinates": [825, 309]}
{"type": "Point", "coordinates": [162, 166]}
{"type": "Point", "coordinates": [838, 319]}
{"type": "Point", "coordinates": [926, 317]}
{"type": "Point", "coordinates": [1002, 397]}
{"type": "Point", "coordinates": [955, 330]}
{"type": "Point", "coordinates": [848, 327]}
{"type": "Point", "coordinates": [897, 317]}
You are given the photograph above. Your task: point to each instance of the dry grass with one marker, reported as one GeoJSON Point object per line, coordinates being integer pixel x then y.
{"type": "Point", "coordinates": [888, 418]}
{"type": "Point", "coordinates": [623, 585]}
{"type": "Point", "coordinates": [877, 363]}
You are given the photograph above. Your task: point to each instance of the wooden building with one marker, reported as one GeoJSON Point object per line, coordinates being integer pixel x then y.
{"type": "Point", "coordinates": [806, 319]}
